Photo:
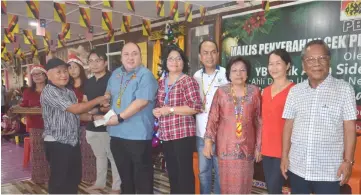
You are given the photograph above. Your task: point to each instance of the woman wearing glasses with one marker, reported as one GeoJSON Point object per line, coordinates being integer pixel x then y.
{"type": "Point", "coordinates": [234, 125]}
{"type": "Point", "coordinates": [178, 99]}
{"type": "Point", "coordinates": [35, 125]}
{"type": "Point", "coordinates": [273, 102]}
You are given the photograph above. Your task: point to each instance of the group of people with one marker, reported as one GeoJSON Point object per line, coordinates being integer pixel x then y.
{"type": "Point", "coordinates": [305, 132]}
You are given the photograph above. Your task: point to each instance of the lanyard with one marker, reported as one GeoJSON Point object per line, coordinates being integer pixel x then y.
{"type": "Point", "coordinates": [167, 89]}
{"type": "Point", "coordinates": [206, 92]}
{"type": "Point", "coordinates": [121, 91]}
{"type": "Point", "coordinates": [238, 113]}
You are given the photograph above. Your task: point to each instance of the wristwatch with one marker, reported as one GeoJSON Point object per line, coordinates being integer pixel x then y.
{"type": "Point", "coordinates": [120, 119]}
{"type": "Point", "coordinates": [348, 161]}
{"type": "Point", "coordinates": [171, 110]}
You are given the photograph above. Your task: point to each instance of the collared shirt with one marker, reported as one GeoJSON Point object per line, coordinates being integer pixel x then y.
{"type": "Point", "coordinates": [184, 93]}
{"type": "Point", "coordinates": [59, 125]}
{"type": "Point", "coordinates": [220, 79]}
{"type": "Point", "coordinates": [142, 86]}
{"type": "Point", "coordinates": [94, 88]}
{"type": "Point", "coordinates": [317, 141]}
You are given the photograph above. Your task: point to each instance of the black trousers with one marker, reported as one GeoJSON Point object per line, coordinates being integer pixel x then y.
{"type": "Point", "coordinates": [134, 162]}
{"type": "Point", "coordinates": [65, 167]}
{"type": "Point", "coordinates": [178, 155]}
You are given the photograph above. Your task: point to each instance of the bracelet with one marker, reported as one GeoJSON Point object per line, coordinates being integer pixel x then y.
{"type": "Point", "coordinates": [349, 161]}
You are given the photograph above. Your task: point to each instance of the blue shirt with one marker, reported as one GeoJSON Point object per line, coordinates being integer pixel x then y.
{"type": "Point", "coordinates": [142, 85]}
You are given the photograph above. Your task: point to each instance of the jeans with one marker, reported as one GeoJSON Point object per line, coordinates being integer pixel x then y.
{"type": "Point", "coordinates": [273, 175]}
{"type": "Point", "coordinates": [205, 170]}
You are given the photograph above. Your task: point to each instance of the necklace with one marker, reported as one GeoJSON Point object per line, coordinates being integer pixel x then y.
{"type": "Point", "coordinates": [121, 91]}
{"type": "Point", "coordinates": [205, 93]}
{"type": "Point", "coordinates": [238, 112]}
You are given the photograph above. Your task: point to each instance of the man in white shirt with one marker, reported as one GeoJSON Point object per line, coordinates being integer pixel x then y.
{"type": "Point", "coordinates": [319, 136]}
{"type": "Point", "coordinates": [209, 78]}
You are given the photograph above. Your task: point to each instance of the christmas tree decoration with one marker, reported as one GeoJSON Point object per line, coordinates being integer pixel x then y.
{"type": "Point", "coordinates": [169, 35]}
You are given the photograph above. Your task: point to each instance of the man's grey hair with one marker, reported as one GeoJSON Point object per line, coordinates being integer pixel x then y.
{"type": "Point", "coordinates": [316, 42]}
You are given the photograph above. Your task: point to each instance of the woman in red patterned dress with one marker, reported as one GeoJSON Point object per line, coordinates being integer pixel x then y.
{"type": "Point", "coordinates": [77, 73]}
{"type": "Point", "coordinates": [35, 125]}
{"type": "Point", "coordinates": [234, 125]}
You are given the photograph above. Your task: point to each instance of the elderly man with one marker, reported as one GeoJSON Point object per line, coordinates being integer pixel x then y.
{"type": "Point", "coordinates": [133, 89]}
{"type": "Point", "coordinates": [319, 136]}
{"type": "Point", "coordinates": [62, 128]}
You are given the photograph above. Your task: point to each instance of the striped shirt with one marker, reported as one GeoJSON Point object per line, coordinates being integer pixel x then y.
{"type": "Point", "coordinates": [317, 141]}
{"type": "Point", "coordinates": [59, 124]}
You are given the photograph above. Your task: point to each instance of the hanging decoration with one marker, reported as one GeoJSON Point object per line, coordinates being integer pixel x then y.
{"type": "Point", "coordinates": [110, 36]}
{"type": "Point", "coordinates": [108, 4]}
{"type": "Point", "coordinates": [46, 39]}
{"type": "Point", "coordinates": [160, 8]}
{"type": "Point", "coordinates": [65, 31]}
{"type": "Point", "coordinates": [266, 5]}
{"type": "Point", "coordinates": [107, 20]}
{"type": "Point", "coordinates": [34, 51]}
{"type": "Point", "coordinates": [169, 35]}
{"type": "Point", "coordinates": [203, 11]}
{"type": "Point", "coordinates": [60, 12]}
{"type": "Point", "coordinates": [155, 139]}
{"type": "Point", "coordinates": [188, 12]}
{"type": "Point", "coordinates": [3, 7]}
{"type": "Point", "coordinates": [22, 56]}
{"type": "Point", "coordinates": [130, 5]}
{"type": "Point", "coordinates": [17, 51]}
{"type": "Point", "coordinates": [146, 27]}
{"type": "Point", "coordinates": [174, 14]}
{"type": "Point", "coordinates": [40, 29]}
{"type": "Point", "coordinates": [28, 37]}
{"type": "Point", "coordinates": [61, 41]}
{"type": "Point", "coordinates": [9, 36]}
{"type": "Point", "coordinates": [32, 9]}
{"type": "Point", "coordinates": [3, 49]}
{"type": "Point", "coordinates": [84, 18]}
{"type": "Point", "coordinates": [84, 2]}
{"type": "Point", "coordinates": [125, 28]}
{"type": "Point", "coordinates": [13, 25]}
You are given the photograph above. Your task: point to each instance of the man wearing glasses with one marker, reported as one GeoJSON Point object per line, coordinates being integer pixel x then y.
{"type": "Point", "coordinates": [319, 136]}
{"type": "Point", "coordinates": [98, 137]}
{"type": "Point", "coordinates": [133, 89]}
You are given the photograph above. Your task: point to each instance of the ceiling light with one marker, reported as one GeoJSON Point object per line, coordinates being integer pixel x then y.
{"type": "Point", "coordinates": [33, 24]}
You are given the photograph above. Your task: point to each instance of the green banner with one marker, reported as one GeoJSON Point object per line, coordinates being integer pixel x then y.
{"type": "Point", "coordinates": [255, 35]}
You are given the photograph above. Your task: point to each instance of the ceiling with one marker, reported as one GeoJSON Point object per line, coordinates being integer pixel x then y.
{"type": "Point", "coordinates": [143, 9]}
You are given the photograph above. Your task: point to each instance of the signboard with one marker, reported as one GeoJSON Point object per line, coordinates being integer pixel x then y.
{"type": "Point", "coordinates": [255, 34]}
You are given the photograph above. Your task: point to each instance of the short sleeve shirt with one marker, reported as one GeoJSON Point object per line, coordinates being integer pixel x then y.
{"type": "Point", "coordinates": [317, 141]}
{"type": "Point", "coordinates": [142, 85]}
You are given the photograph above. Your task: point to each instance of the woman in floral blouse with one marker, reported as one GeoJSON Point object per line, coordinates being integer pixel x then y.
{"type": "Point", "coordinates": [178, 99]}
{"type": "Point", "coordinates": [234, 125]}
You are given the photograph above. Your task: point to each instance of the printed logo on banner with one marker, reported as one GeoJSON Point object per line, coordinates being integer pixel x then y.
{"type": "Point", "coordinates": [358, 112]}
{"type": "Point", "coordinates": [350, 10]}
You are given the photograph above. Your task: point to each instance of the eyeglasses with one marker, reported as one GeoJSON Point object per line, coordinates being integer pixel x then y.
{"type": "Point", "coordinates": [177, 59]}
{"type": "Point", "coordinates": [323, 60]}
{"type": "Point", "coordinates": [96, 61]}
{"type": "Point", "coordinates": [37, 74]}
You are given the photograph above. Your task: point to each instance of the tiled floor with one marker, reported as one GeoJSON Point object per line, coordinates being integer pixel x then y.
{"type": "Point", "coordinates": [11, 163]}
